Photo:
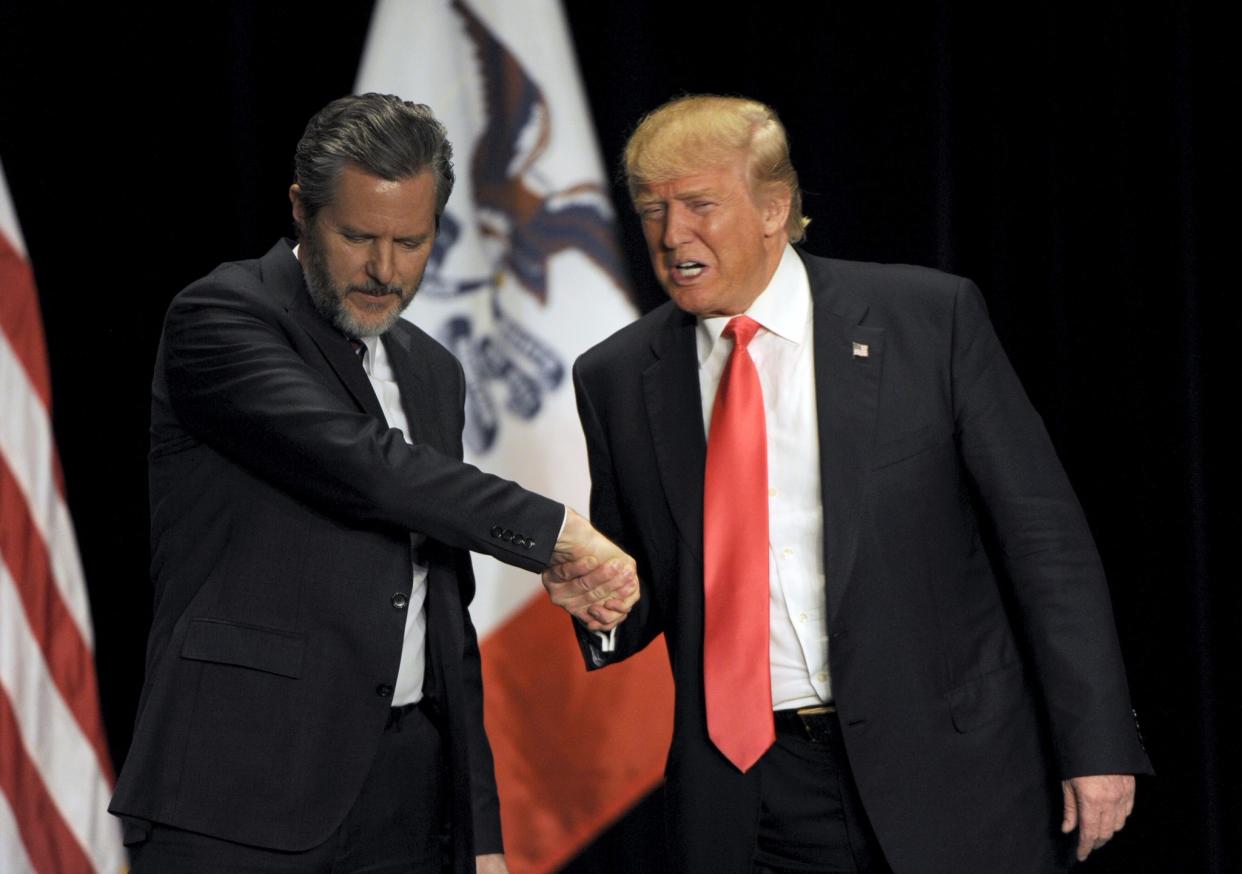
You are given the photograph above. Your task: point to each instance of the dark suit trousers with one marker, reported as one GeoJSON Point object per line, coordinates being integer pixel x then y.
{"type": "Point", "coordinates": [812, 819]}
{"type": "Point", "coordinates": [395, 824]}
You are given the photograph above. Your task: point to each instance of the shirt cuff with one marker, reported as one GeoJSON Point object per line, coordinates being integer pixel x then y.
{"type": "Point", "coordinates": [607, 640]}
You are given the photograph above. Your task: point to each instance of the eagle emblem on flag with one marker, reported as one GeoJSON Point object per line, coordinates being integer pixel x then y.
{"type": "Point", "coordinates": [521, 222]}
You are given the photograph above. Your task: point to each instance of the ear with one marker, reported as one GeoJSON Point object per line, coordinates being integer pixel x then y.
{"type": "Point", "coordinates": [775, 211]}
{"type": "Point", "coordinates": [299, 208]}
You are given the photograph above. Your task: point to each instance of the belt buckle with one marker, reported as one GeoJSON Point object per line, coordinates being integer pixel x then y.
{"type": "Point", "coordinates": [816, 729]}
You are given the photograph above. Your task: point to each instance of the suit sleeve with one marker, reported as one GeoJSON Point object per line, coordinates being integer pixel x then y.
{"type": "Point", "coordinates": [645, 621]}
{"type": "Point", "coordinates": [1047, 550]}
{"type": "Point", "coordinates": [235, 381]}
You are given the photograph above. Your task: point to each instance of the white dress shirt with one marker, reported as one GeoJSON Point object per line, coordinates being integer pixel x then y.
{"type": "Point", "coordinates": [409, 687]}
{"type": "Point", "coordinates": [783, 353]}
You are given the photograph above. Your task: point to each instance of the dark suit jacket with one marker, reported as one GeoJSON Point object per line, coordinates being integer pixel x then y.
{"type": "Point", "coordinates": [967, 683]}
{"type": "Point", "coordinates": [281, 512]}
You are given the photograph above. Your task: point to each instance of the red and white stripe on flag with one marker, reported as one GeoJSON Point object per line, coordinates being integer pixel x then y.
{"type": "Point", "coordinates": [527, 274]}
{"type": "Point", "coordinates": [55, 776]}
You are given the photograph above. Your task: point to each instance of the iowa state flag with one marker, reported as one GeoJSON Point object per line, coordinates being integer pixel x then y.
{"type": "Point", "coordinates": [527, 274]}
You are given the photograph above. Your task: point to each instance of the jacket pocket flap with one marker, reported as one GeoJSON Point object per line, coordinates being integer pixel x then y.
{"type": "Point", "coordinates": [248, 646]}
{"type": "Point", "coordinates": [981, 700]}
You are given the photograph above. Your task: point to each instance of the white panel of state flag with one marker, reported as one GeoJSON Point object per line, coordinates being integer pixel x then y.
{"type": "Point", "coordinates": [526, 273]}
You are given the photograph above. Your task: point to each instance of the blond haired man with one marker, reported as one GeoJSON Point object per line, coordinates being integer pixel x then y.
{"type": "Point", "coordinates": [806, 456]}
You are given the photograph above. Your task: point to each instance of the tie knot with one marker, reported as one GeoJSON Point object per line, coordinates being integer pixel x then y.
{"type": "Point", "coordinates": [360, 348]}
{"type": "Point", "coordinates": [742, 329]}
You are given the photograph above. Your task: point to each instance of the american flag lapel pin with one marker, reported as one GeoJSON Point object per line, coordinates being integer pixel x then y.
{"type": "Point", "coordinates": [861, 350]}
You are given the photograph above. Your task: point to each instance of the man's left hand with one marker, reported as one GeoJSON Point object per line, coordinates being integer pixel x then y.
{"type": "Point", "coordinates": [1098, 806]}
{"type": "Point", "coordinates": [492, 863]}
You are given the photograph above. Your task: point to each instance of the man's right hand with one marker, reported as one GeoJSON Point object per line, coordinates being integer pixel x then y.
{"type": "Point", "coordinates": [590, 577]}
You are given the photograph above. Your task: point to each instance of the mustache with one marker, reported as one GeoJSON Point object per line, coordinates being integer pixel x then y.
{"type": "Point", "coordinates": [375, 289]}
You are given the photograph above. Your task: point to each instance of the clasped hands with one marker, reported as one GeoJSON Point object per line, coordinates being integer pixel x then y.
{"type": "Point", "coordinates": [590, 577]}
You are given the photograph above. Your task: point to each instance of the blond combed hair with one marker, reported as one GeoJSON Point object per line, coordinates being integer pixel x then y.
{"type": "Point", "coordinates": [690, 134]}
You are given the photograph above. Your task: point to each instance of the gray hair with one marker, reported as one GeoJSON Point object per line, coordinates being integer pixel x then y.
{"type": "Point", "coordinates": [382, 134]}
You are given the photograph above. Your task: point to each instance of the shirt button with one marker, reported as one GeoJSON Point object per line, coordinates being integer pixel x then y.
{"type": "Point", "coordinates": [383, 691]}
{"type": "Point", "coordinates": [771, 491]}
{"type": "Point", "coordinates": [787, 552]}
{"type": "Point", "coordinates": [821, 677]}
{"type": "Point", "coordinates": [400, 601]}
{"type": "Point", "coordinates": [802, 617]}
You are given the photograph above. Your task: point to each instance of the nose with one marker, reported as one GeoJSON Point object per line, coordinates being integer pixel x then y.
{"type": "Point", "coordinates": [676, 229]}
{"type": "Point", "coordinates": [381, 262]}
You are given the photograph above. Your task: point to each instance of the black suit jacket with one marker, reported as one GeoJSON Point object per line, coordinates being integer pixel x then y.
{"type": "Point", "coordinates": [967, 683]}
{"type": "Point", "coordinates": [281, 512]}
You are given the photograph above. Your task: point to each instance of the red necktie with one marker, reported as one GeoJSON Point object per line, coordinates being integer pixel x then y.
{"type": "Point", "coordinates": [736, 675]}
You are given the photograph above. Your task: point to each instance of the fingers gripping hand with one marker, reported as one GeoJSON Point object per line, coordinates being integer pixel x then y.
{"type": "Point", "coordinates": [591, 578]}
{"type": "Point", "coordinates": [597, 595]}
{"type": "Point", "coordinates": [1097, 806]}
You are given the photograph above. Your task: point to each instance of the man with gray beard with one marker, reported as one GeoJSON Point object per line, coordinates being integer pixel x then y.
{"type": "Point", "coordinates": [313, 699]}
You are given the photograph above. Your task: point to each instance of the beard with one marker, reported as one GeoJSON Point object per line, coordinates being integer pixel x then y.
{"type": "Point", "coordinates": [329, 297]}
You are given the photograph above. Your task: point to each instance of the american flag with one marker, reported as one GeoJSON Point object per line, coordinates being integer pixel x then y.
{"type": "Point", "coordinates": [55, 775]}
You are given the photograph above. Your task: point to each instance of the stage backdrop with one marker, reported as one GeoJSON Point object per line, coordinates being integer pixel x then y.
{"type": "Point", "coordinates": [1076, 160]}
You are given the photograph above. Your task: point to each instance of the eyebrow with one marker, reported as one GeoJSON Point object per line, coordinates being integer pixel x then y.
{"type": "Point", "coordinates": [350, 231]}
{"type": "Point", "coordinates": [698, 192]}
{"type": "Point", "coordinates": [684, 195]}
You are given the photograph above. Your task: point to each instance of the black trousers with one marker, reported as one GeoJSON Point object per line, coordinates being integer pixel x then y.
{"type": "Point", "coordinates": [812, 818]}
{"type": "Point", "coordinates": [395, 824]}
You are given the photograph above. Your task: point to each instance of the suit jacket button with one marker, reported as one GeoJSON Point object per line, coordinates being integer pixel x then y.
{"type": "Point", "coordinates": [529, 544]}
{"type": "Point", "coordinates": [400, 600]}
{"type": "Point", "coordinates": [508, 536]}
{"type": "Point", "coordinates": [497, 531]}
{"type": "Point", "coordinates": [383, 691]}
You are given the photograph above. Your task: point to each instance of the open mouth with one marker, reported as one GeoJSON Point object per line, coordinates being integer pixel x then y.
{"type": "Point", "coordinates": [688, 269]}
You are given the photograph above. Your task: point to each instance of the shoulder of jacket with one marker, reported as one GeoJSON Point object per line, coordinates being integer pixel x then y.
{"type": "Point", "coordinates": [884, 288]}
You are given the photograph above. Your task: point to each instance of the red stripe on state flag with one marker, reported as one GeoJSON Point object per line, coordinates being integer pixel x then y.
{"type": "Point", "coordinates": [68, 657]}
{"type": "Point", "coordinates": [49, 842]}
{"type": "Point", "coordinates": [20, 320]}
{"type": "Point", "coordinates": [558, 732]}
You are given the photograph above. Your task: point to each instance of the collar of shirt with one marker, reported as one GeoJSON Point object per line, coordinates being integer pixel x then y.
{"type": "Point", "coordinates": [370, 358]}
{"type": "Point", "coordinates": [783, 308]}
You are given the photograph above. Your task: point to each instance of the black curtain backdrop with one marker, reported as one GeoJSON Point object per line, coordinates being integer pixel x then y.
{"type": "Point", "coordinates": [1076, 161]}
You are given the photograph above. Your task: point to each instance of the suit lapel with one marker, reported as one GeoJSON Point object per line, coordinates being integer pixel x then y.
{"type": "Point", "coordinates": [848, 365]}
{"type": "Point", "coordinates": [674, 411]}
{"type": "Point", "coordinates": [418, 396]}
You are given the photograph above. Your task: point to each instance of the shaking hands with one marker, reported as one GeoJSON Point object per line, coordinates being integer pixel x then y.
{"type": "Point", "coordinates": [590, 577]}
